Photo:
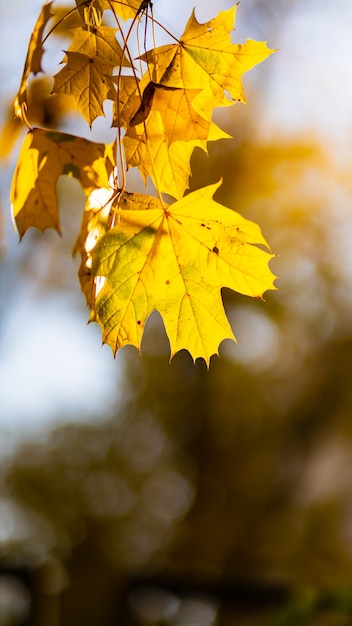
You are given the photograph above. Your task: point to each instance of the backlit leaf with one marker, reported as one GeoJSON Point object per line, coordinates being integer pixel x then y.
{"type": "Point", "coordinates": [138, 254]}
{"type": "Point", "coordinates": [87, 75]}
{"type": "Point", "coordinates": [87, 81]}
{"type": "Point", "coordinates": [206, 59]}
{"type": "Point", "coordinates": [46, 155]}
{"type": "Point", "coordinates": [180, 120]}
{"type": "Point", "coordinates": [98, 217]}
{"type": "Point", "coordinates": [167, 165]}
{"type": "Point", "coordinates": [99, 42]}
{"type": "Point", "coordinates": [175, 260]}
{"type": "Point", "coordinates": [183, 84]}
{"type": "Point", "coordinates": [33, 63]}
{"type": "Point", "coordinates": [161, 145]}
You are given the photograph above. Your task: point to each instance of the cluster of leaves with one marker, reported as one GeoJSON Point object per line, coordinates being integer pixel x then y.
{"type": "Point", "coordinates": [140, 253]}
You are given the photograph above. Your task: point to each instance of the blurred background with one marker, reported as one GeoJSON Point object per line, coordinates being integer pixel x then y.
{"type": "Point", "coordinates": [138, 492]}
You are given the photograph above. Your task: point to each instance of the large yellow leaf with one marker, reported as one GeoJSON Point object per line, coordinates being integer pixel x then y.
{"type": "Point", "coordinates": [46, 155]}
{"type": "Point", "coordinates": [175, 99]}
{"type": "Point", "coordinates": [33, 60]}
{"type": "Point", "coordinates": [206, 59]}
{"type": "Point", "coordinates": [175, 260]}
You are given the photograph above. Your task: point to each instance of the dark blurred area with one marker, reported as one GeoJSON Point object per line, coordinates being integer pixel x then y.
{"type": "Point", "coordinates": [219, 496]}
{"type": "Point", "coordinates": [208, 497]}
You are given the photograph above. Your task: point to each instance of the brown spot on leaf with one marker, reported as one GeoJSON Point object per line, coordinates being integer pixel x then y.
{"type": "Point", "coordinates": [216, 250]}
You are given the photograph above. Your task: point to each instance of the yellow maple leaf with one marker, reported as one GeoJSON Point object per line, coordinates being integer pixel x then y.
{"type": "Point", "coordinates": [162, 143]}
{"type": "Point", "coordinates": [167, 165]}
{"type": "Point", "coordinates": [138, 254]}
{"type": "Point", "coordinates": [99, 42]}
{"type": "Point", "coordinates": [87, 81]}
{"type": "Point", "coordinates": [206, 59]}
{"type": "Point", "coordinates": [87, 75]}
{"type": "Point", "coordinates": [175, 99]}
{"type": "Point", "coordinates": [46, 155]}
{"type": "Point", "coordinates": [33, 60]}
{"type": "Point", "coordinates": [175, 260]}
{"type": "Point", "coordinates": [180, 120]}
